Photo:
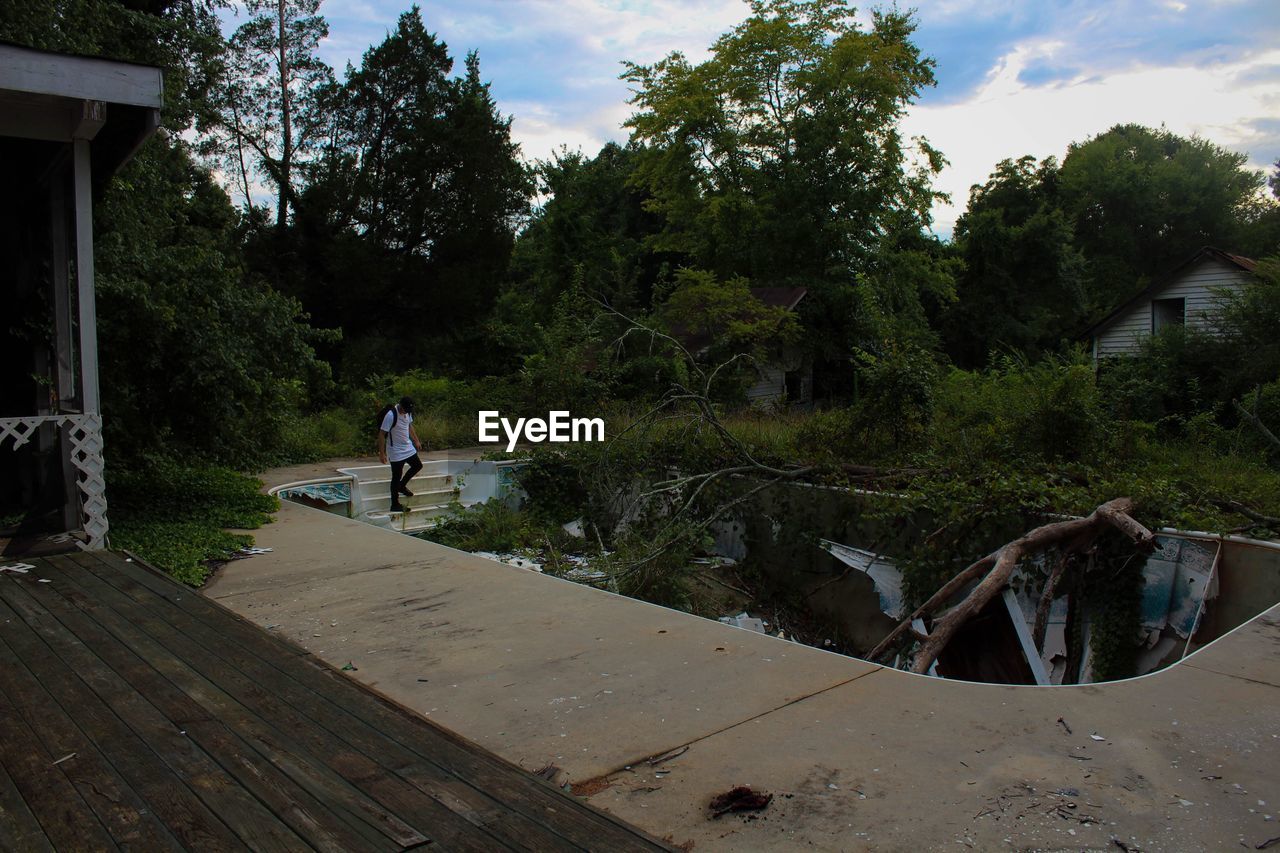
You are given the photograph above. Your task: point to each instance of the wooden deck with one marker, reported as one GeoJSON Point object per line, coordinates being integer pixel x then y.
{"type": "Point", "coordinates": [138, 713]}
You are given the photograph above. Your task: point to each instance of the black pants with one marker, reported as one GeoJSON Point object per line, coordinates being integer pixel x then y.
{"type": "Point", "coordinates": [397, 468]}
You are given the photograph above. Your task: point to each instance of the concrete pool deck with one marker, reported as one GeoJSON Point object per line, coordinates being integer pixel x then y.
{"type": "Point", "coordinates": [543, 672]}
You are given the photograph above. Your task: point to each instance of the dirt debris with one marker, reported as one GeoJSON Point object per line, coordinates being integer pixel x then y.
{"type": "Point", "coordinates": [739, 799]}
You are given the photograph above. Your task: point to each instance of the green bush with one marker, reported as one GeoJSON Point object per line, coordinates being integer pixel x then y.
{"type": "Point", "coordinates": [1043, 411]}
{"type": "Point", "coordinates": [896, 402]}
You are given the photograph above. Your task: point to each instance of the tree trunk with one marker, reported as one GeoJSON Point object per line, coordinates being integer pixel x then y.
{"type": "Point", "coordinates": [1046, 601]}
{"type": "Point", "coordinates": [244, 169]}
{"type": "Point", "coordinates": [286, 127]}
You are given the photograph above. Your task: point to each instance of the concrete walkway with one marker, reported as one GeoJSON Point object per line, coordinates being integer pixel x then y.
{"type": "Point", "coordinates": [547, 672]}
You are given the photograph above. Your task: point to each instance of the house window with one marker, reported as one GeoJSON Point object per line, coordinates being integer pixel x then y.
{"type": "Point", "coordinates": [1167, 312]}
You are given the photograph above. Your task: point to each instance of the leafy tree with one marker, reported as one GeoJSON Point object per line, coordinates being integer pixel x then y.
{"type": "Point", "coordinates": [780, 159]}
{"type": "Point", "coordinates": [269, 101]}
{"type": "Point", "coordinates": [593, 226]}
{"type": "Point", "coordinates": [780, 156]}
{"type": "Point", "coordinates": [198, 358]}
{"type": "Point", "coordinates": [414, 207]}
{"type": "Point", "coordinates": [1021, 288]}
{"type": "Point", "coordinates": [1141, 201]}
{"type": "Point", "coordinates": [719, 320]}
{"type": "Point", "coordinates": [1248, 330]}
{"type": "Point", "coordinates": [566, 365]}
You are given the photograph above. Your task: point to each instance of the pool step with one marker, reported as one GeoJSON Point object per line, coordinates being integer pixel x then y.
{"type": "Point", "coordinates": [416, 518]}
{"type": "Point", "coordinates": [420, 483]}
{"type": "Point", "coordinates": [381, 502]}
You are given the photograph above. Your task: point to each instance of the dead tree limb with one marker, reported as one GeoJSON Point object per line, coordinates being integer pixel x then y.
{"type": "Point", "coordinates": [1046, 599]}
{"type": "Point", "coordinates": [1259, 425]}
{"type": "Point", "coordinates": [999, 566]}
{"type": "Point", "coordinates": [1249, 513]}
{"type": "Point", "coordinates": [1114, 513]}
{"type": "Point", "coordinates": [949, 589]}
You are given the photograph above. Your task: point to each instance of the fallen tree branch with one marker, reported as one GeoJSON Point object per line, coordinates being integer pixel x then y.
{"type": "Point", "coordinates": [1259, 425]}
{"type": "Point", "coordinates": [999, 566]}
{"type": "Point", "coordinates": [949, 589]}
{"type": "Point", "coordinates": [1251, 514]}
{"type": "Point", "coordinates": [1046, 600]}
{"type": "Point", "coordinates": [1114, 513]}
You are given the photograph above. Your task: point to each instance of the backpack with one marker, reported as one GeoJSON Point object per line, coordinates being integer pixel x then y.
{"type": "Point", "coordinates": [382, 415]}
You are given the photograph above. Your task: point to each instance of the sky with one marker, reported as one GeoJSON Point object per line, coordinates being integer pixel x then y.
{"type": "Point", "coordinates": [1014, 77]}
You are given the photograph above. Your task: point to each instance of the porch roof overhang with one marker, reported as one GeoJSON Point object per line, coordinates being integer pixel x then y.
{"type": "Point", "coordinates": [55, 97]}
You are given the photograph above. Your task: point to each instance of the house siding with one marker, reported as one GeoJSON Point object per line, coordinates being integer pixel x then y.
{"type": "Point", "coordinates": [1197, 286]}
{"type": "Point", "coordinates": [770, 388]}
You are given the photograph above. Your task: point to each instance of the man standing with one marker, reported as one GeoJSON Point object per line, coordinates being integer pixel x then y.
{"type": "Point", "coordinates": [398, 443]}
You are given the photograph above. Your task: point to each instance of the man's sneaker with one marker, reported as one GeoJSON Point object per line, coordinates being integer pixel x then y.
{"type": "Point", "coordinates": [397, 508]}
{"type": "Point", "coordinates": [404, 490]}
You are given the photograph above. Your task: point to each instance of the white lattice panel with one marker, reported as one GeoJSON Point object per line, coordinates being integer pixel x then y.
{"type": "Point", "coordinates": [85, 436]}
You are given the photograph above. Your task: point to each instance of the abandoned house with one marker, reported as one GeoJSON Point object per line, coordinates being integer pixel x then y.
{"type": "Point", "coordinates": [1189, 295]}
{"type": "Point", "coordinates": [67, 124]}
{"type": "Point", "coordinates": [788, 377]}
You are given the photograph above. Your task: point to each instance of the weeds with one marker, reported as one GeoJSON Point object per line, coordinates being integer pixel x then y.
{"type": "Point", "coordinates": [176, 517]}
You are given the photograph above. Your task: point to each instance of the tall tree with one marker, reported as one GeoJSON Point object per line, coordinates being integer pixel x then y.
{"type": "Point", "coordinates": [1022, 284]}
{"type": "Point", "coordinates": [269, 97]}
{"type": "Point", "coordinates": [1141, 200]}
{"type": "Point", "coordinates": [199, 356]}
{"type": "Point", "coordinates": [780, 158]}
{"type": "Point", "coordinates": [781, 155]}
{"type": "Point", "coordinates": [422, 190]}
{"type": "Point", "coordinates": [592, 228]}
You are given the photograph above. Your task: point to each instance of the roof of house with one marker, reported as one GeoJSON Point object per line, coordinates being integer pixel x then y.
{"type": "Point", "coordinates": [1160, 283]}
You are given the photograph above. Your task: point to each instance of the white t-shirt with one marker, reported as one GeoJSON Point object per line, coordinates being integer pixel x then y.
{"type": "Point", "coordinates": [399, 445]}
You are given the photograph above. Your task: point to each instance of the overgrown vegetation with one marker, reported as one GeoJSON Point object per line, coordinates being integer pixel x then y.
{"type": "Point", "coordinates": [178, 516]}
{"type": "Point", "coordinates": [400, 253]}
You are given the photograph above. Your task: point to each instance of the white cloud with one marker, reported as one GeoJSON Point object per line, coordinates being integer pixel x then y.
{"type": "Point", "coordinates": [1006, 118]}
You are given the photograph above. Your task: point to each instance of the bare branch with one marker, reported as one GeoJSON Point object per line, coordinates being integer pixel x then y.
{"type": "Point", "coordinates": [1113, 513]}
{"type": "Point", "coordinates": [1259, 425]}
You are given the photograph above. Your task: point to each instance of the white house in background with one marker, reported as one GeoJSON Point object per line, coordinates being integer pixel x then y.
{"type": "Point", "coordinates": [1191, 294]}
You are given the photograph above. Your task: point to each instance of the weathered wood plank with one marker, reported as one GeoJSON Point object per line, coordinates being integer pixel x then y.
{"type": "Point", "coordinates": [122, 684]}
{"type": "Point", "coordinates": [37, 72]}
{"type": "Point", "coordinates": [164, 791]}
{"type": "Point", "coordinates": [519, 791]}
{"type": "Point", "coordinates": [320, 806]}
{"type": "Point", "coordinates": [17, 824]}
{"type": "Point", "coordinates": [124, 814]}
{"type": "Point", "coordinates": [65, 818]}
{"type": "Point", "coordinates": [254, 712]}
{"type": "Point", "coordinates": [302, 707]}
{"type": "Point", "coordinates": [191, 601]}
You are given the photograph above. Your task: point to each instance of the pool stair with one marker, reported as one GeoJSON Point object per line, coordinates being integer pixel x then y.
{"type": "Point", "coordinates": [364, 492]}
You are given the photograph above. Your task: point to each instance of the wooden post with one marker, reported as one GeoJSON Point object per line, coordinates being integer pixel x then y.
{"type": "Point", "coordinates": [88, 315]}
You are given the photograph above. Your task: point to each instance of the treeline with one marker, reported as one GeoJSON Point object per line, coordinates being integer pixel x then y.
{"type": "Point", "coordinates": [296, 237]}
